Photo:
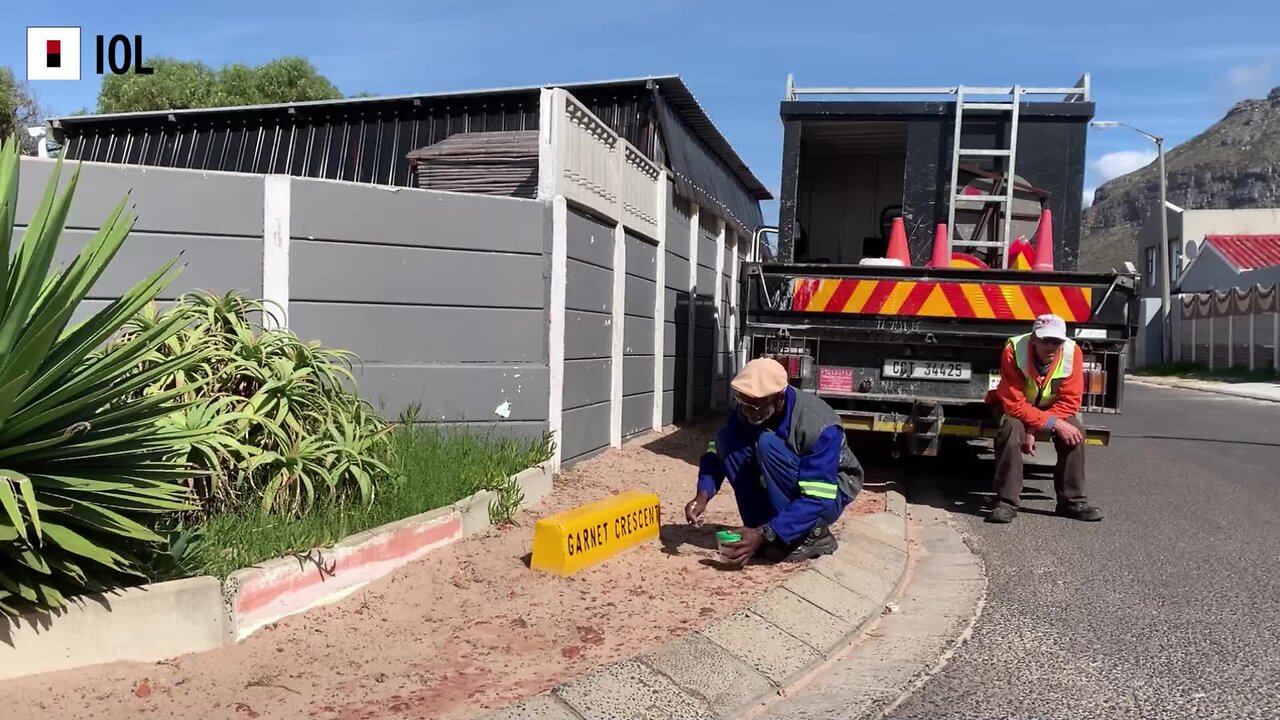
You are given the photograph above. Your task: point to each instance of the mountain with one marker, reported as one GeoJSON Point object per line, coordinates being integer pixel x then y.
{"type": "Point", "coordinates": [1235, 163]}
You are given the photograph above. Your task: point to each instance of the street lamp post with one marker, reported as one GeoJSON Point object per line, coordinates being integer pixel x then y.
{"type": "Point", "coordinates": [1166, 331]}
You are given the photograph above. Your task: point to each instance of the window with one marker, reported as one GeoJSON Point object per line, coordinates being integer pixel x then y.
{"type": "Point", "coordinates": [1150, 275]}
{"type": "Point", "coordinates": [1175, 264]}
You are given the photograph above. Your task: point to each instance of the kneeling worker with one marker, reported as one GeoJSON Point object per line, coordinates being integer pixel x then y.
{"type": "Point", "coordinates": [1040, 390]}
{"type": "Point", "coordinates": [785, 454]}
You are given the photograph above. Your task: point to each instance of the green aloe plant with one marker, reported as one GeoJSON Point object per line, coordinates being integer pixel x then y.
{"type": "Point", "coordinates": [87, 463]}
{"type": "Point", "coordinates": [286, 431]}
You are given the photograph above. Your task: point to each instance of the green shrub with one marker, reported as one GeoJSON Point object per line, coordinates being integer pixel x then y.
{"type": "Point", "coordinates": [282, 429]}
{"type": "Point", "coordinates": [430, 466]}
{"type": "Point", "coordinates": [87, 462]}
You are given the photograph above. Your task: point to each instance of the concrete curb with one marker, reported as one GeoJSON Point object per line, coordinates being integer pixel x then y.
{"type": "Point", "coordinates": [276, 589]}
{"type": "Point", "coordinates": [145, 624]}
{"type": "Point", "coordinates": [739, 661]}
{"type": "Point", "coordinates": [161, 621]}
{"type": "Point", "coordinates": [1207, 386]}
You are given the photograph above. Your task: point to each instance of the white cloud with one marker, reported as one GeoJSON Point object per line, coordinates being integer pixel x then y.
{"type": "Point", "coordinates": [1247, 81]}
{"type": "Point", "coordinates": [1122, 162]}
{"type": "Point", "coordinates": [1088, 196]}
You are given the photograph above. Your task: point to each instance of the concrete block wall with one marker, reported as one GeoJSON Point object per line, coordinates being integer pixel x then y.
{"type": "Point", "coordinates": [588, 335]}
{"type": "Point", "coordinates": [676, 335]}
{"type": "Point", "coordinates": [704, 343]}
{"type": "Point", "coordinates": [638, 350]}
{"type": "Point", "coordinates": [442, 295]}
{"type": "Point", "coordinates": [213, 220]}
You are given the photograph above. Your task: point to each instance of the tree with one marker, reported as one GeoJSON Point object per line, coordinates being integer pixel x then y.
{"type": "Point", "coordinates": [179, 84]}
{"type": "Point", "coordinates": [19, 110]}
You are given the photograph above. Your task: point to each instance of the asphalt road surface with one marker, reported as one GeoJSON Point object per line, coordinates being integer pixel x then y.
{"type": "Point", "coordinates": [1169, 608]}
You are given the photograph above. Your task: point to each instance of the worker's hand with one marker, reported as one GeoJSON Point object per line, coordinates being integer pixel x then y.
{"type": "Point", "coordinates": [740, 552]}
{"type": "Point", "coordinates": [1069, 434]}
{"type": "Point", "coordinates": [694, 511]}
{"type": "Point", "coordinates": [1029, 443]}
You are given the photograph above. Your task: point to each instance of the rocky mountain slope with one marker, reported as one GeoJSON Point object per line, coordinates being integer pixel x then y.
{"type": "Point", "coordinates": [1235, 163]}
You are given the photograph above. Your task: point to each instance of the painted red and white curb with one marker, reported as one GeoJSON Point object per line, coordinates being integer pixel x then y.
{"type": "Point", "coordinates": [249, 599]}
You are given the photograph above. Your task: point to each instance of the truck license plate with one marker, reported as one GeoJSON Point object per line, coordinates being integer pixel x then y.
{"type": "Point", "coordinates": [941, 370]}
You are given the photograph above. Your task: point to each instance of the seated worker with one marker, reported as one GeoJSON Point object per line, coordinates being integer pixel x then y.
{"type": "Point", "coordinates": [1041, 384]}
{"type": "Point", "coordinates": [791, 469]}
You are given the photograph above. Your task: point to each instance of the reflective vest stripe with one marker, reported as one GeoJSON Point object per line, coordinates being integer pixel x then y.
{"type": "Point", "coordinates": [818, 489]}
{"type": "Point", "coordinates": [1043, 395]}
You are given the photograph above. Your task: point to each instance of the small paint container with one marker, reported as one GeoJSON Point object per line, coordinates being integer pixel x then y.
{"type": "Point", "coordinates": [725, 537]}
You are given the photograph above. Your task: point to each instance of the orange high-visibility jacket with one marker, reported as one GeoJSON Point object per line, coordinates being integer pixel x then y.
{"type": "Point", "coordinates": [1012, 397]}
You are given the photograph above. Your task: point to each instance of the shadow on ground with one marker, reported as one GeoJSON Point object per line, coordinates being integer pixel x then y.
{"type": "Point", "coordinates": [962, 475]}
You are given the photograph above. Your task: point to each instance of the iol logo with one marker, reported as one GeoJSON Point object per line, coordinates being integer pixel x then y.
{"type": "Point", "coordinates": [53, 53]}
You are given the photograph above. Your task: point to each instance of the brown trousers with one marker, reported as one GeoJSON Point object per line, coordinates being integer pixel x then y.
{"type": "Point", "coordinates": [1068, 475]}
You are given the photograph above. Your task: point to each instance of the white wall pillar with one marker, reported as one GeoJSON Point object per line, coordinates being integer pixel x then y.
{"type": "Point", "coordinates": [556, 324]}
{"type": "Point", "coordinates": [276, 211]}
{"type": "Point", "coordinates": [619, 330]}
{"type": "Point", "coordinates": [718, 347]}
{"type": "Point", "coordinates": [695, 218]}
{"type": "Point", "coordinates": [660, 302]}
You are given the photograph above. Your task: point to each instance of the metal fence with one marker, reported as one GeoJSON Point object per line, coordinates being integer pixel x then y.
{"type": "Point", "coordinates": [1234, 328]}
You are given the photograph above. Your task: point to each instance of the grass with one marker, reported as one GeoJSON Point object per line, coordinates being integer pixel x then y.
{"type": "Point", "coordinates": [1197, 370]}
{"type": "Point", "coordinates": [432, 467]}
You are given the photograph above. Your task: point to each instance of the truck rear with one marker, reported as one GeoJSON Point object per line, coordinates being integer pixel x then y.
{"type": "Point", "coordinates": [907, 254]}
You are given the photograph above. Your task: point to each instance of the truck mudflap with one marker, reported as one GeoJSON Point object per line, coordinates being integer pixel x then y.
{"type": "Point", "coordinates": [905, 424]}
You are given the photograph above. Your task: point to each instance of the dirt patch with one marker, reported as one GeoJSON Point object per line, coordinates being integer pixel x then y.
{"type": "Point", "coordinates": [467, 629]}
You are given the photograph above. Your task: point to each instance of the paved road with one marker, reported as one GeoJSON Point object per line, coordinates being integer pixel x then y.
{"type": "Point", "coordinates": [1169, 608]}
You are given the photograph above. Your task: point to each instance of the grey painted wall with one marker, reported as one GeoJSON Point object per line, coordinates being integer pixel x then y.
{"type": "Point", "coordinates": [213, 220]}
{"type": "Point", "coordinates": [675, 335]}
{"type": "Point", "coordinates": [588, 335]}
{"type": "Point", "coordinates": [638, 351]}
{"type": "Point", "coordinates": [441, 295]}
{"type": "Point", "coordinates": [704, 333]}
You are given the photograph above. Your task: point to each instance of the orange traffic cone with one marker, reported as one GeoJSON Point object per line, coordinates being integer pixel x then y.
{"type": "Point", "coordinates": [941, 247]}
{"type": "Point", "coordinates": [1044, 243]}
{"type": "Point", "coordinates": [898, 243]}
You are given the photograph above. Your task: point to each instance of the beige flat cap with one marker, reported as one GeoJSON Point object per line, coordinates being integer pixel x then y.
{"type": "Point", "coordinates": [761, 378]}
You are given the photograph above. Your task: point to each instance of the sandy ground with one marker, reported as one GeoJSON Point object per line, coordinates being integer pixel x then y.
{"type": "Point", "coordinates": [467, 629]}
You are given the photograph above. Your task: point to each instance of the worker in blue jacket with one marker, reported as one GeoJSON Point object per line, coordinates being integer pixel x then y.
{"type": "Point", "coordinates": [786, 456]}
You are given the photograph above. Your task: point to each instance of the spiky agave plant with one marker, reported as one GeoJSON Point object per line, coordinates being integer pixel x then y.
{"type": "Point", "coordinates": [86, 463]}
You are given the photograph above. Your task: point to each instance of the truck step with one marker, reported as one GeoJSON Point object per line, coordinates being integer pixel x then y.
{"type": "Point", "coordinates": [979, 243]}
{"type": "Point", "coordinates": [997, 152]}
{"type": "Point", "coordinates": [987, 105]}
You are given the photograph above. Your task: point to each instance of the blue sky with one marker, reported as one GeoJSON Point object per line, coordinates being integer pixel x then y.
{"type": "Point", "coordinates": [1173, 73]}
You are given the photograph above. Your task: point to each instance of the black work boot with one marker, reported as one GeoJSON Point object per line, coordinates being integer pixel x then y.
{"type": "Point", "coordinates": [819, 541]}
{"type": "Point", "coordinates": [1079, 511]}
{"type": "Point", "coordinates": [1002, 513]}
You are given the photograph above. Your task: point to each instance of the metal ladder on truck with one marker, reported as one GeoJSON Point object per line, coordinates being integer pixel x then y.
{"type": "Point", "coordinates": [1003, 203]}
{"type": "Point", "coordinates": [1080, 92]}
{"type": "Point", "coordinates": [1000, 200]}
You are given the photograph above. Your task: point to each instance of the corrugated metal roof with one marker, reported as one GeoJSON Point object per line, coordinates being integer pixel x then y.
{"type": "Point", "coordinates": [1247, 252]}
{"type": "Point", "coordinates": [672, 86]}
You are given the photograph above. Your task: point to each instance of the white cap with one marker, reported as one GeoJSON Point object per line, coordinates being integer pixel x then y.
{"type": "Point", "coordinates": [1050, 327]}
